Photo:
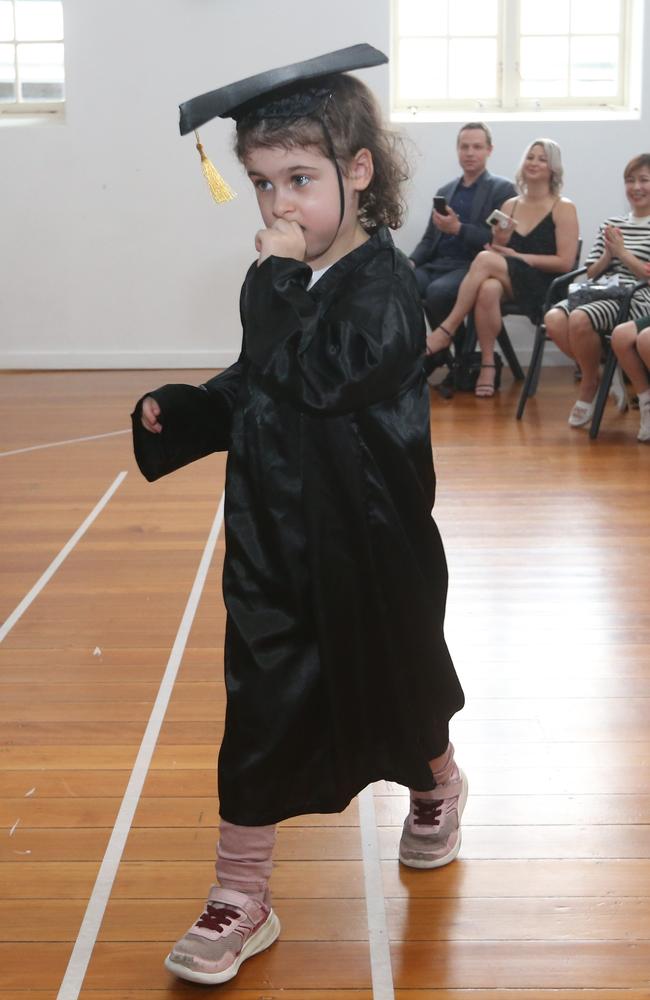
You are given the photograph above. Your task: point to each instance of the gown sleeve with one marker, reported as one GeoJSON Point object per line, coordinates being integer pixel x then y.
{"type": "Point", "coordinates": [196, 422]}
{"type": "Point", "coordinates": [358, 351]}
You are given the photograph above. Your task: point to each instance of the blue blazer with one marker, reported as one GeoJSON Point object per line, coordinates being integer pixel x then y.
{"type": "Point", "coordinates": [491, 192]}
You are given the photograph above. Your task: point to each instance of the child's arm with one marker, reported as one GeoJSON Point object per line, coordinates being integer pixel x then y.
{"type": "Point", "coordinates": [178, 424]}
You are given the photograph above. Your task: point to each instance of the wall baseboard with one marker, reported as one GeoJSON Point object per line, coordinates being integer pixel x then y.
{"type": "Point", "coordinates": [552, 355]}
{"type": "Point", "coordinates": [89, 360]}
{"type": "Point", "coordinates": [93, 360]}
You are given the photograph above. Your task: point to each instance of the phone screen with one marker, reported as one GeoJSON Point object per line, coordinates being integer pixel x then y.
{"type": "Point", "coordinates": [440, 204]}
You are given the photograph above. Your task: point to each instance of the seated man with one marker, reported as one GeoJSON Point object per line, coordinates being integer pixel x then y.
{"type": "Point", "coordinates": [442, 257]}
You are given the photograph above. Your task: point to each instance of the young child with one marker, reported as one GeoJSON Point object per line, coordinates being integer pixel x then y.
{"type": "Point", "coordinates": [336, 667]}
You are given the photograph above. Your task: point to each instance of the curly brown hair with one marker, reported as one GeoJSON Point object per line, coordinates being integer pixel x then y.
{"type": "Point", "coordinates": [354, 121]}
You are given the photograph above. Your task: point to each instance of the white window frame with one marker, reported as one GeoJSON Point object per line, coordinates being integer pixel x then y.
{"type": "Point", "coordinates": [508, 103]}
{"type": "Point", "coordinates": [25, 109]}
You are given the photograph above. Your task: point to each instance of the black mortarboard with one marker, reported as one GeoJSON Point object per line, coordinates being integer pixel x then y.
{"type": "Point", "coordinates": [290, 92]}
{"type": "Point", "coordinates": [238, 99]}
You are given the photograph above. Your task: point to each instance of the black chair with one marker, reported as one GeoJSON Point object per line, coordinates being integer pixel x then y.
{"type": "Point", "coordinates": [503, 339]}
{"type": "Point", "coordinates": [556, 292]}
{"type": "Point", "coordinates": [512, 309]}
{"type": "Point", "coordinates": [610, 360]}
{"type": "Point", "coordinates": [469, 338]}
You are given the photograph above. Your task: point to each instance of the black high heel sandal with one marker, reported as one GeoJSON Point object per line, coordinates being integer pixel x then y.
{"type": "Point", "coordinates": [437, 360]}
{"type": "Point", "coordinates": [486, 390]}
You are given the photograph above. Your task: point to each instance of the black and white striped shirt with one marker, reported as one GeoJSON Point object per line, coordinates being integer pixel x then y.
{"type": "Point", "coordinates": [604, 313]}
{"type": "Point", "coordinates": [636, 238]}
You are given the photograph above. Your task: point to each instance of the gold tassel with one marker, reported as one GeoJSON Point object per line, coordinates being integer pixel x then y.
{"type": "Point", "coordinates": [219, 188]}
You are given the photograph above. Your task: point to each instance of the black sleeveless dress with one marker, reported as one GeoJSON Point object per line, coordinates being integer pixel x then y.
{"type": "Point", "coordinates": [529, 284]}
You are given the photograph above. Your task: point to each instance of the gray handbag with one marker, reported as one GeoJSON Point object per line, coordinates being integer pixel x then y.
{"type": "Point", "coordinates": [592, 291]}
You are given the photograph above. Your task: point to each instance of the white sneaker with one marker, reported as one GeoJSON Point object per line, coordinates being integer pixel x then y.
{"type": "Point", "coordinates": [581, 414]}
{"type": "Point", "coordinates": [618, 391]}
{"type": "Point", "coordinates": [644, 429]}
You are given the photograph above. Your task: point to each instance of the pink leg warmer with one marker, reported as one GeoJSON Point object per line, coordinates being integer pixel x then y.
{"type": "Point", "coordinates": [444, 769]}
{"type": "Point", "coordinates": [245, 859]}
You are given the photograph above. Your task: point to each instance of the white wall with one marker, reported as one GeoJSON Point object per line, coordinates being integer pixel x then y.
{"type": "Point", "coordinates": [112, 253]}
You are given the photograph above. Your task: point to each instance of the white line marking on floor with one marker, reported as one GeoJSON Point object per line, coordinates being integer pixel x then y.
{"type": "Point", "coordinates": [57, 444]}
{"type": "Point", "coordinates": [56, 562]}
{"type": "Point", "coordinates": [380, 967]}
{"type": "Point", "coordinates": [82, 951]}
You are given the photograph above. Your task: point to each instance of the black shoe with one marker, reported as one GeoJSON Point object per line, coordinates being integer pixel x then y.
{"type": "Point", "coordinates": [436, 360]}
{"type": "Point", "coordinates": [444, 389]}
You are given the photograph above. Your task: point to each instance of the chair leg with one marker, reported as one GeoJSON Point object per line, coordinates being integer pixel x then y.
{"type": "Point", "coordinates": [539, 357]}
{"type": "Point", "coordinates": [470, 335]}
{"type": "Point", "coordinates": [534, 368]}
{"type": "Point", "coordinates": [603, 392]}
{"type": "Point", "coordinates": [509, 353]}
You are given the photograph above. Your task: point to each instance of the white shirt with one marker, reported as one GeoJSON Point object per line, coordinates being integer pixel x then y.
{"type": "Point", "coordinates": [317, 275]}
{"type": "Point", "coordinates": [636, 220]}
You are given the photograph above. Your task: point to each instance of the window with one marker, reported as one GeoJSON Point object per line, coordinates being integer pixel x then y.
{"type": "Point", "coordinates": [511, 55]}
{"type": "Point", "coordinates": [31, 55]}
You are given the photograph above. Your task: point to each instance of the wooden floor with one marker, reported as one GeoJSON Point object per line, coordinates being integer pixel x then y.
{"type": "Point", "coordinates": [548, 541]}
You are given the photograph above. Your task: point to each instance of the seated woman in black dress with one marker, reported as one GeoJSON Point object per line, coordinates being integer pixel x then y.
{"type": "Point", "coordinates": [538, 242]}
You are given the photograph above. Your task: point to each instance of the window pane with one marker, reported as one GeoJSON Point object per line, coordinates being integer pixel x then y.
{"type": "Point", "coordinates": [590, 17]}
{"type": "Point", "coordinates": [544, 17]}
{"type": "Point", "coordinates": [39, 20]}
{"type": "Point", "coordinates": [422, 69]}
{"type": "Point", "coordinates": [40, 68]}
{"type": "Point", "coordinates": [423, 17]}
{"type": "Point", "coordinates": [450, 52]}
{"type": "Point", "coordinates": [6, 21]}
{"type": "Point", "coordinates": [472, 68]}
{"type": "Point", "coordinates": [544, 67]}
{"type": "Point", "coordinates": [594, 67]}
{"type": "Point", "coordinates": [7, 73]}
{"type": "Point", "coordinates": [474, 17]}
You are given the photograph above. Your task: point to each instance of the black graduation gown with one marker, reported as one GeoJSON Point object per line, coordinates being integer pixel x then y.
{"type": "Point", "coordinates": [335, 580]}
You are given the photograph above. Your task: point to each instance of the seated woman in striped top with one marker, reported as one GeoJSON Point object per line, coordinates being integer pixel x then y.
{"type": "Point", "coordinates": [622, 247]}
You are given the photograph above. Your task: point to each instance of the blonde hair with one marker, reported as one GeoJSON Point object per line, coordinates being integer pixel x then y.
{"type": "Point", "coordinates": [554, 157]}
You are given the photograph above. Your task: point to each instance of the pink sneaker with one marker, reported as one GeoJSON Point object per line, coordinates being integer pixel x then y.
{"type": "Point", "coordinates": [232, 928]}
{"type": "Point", "coordinates": [431, 836]}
